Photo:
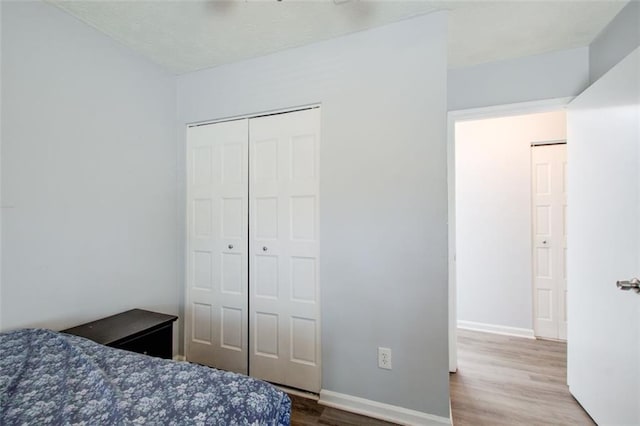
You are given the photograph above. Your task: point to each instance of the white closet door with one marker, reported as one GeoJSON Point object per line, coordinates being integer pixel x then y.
{"type": "Point", "coordinates": [217, 214]}
{"type": "Point", "coordinates": [549, 165]}
{"type": "Point", "coordinates": [283, 270]}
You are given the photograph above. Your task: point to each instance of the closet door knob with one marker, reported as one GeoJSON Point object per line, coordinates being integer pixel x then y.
{"type": "Point", "coordinates": [230, 246]}
{"type": "Point", "coordinates": [264, 248]}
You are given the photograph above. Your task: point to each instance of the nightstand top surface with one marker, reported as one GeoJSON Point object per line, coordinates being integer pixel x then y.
{"type": "Point", "coordinates": [122, 326]}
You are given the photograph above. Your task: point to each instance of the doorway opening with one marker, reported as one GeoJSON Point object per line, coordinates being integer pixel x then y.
{"type": "Point", "coordinates": [495, 220]}
{"type": "Point", "coordinates": [507, 221]}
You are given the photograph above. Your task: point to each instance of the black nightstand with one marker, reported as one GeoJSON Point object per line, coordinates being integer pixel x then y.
{"type": "Point", "coordinates": [137, 330]}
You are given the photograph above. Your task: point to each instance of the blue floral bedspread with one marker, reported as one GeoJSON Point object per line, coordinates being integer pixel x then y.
{"type": "Point", "coordinates": [55, 378]}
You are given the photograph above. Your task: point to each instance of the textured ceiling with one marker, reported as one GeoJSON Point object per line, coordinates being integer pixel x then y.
{"type": "Point", "coordinates": [189, 35]}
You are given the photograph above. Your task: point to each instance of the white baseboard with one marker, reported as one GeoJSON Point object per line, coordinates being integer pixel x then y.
{"type": "Point", "coordinates": [379, 410]}
{"type": "Point", "coordinates": [496, 329]}
{"type": "Point", "coordinates": [296, 392]}
{"type": "Point", "coordinates": [179, 358]}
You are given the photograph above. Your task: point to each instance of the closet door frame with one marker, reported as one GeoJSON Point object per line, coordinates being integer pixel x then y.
{"type": "Point", "coordinates": [188, 224]}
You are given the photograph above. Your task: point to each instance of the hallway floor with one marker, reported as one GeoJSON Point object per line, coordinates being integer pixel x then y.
{"type": "Point", "coordinates": [503, 380]}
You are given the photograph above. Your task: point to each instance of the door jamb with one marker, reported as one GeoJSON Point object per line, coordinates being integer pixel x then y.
{"type": "Point", "coordinates": [521, 108]}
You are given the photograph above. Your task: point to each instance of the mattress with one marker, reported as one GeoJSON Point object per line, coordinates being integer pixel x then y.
{"type": "Point", "coordinates": [55, 378]}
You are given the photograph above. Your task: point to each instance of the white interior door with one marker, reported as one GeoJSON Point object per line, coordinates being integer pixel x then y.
{"type": "Point", "coordinates": [283, 270]}
{"type": "Point", "coordinates": [549, 196]}
{"type": "Point", "coordinates": [217, 239]}
{"type": "Point", "coordinates": [604, 235]}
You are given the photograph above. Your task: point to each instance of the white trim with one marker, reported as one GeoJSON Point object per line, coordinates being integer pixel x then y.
{"type": "Point", "coordinates": [549, 142]}
{"type": "Point", "coordinates": [254, 115]}
{"type": "Point", "coordinates": [476, 114]}
{"type": "Point", "coordinates": [379, 410]}
{"type": "Point", "coordinates": [497, 329]}
{"type": "Point", "coordinates": [179, 358]}
{"type": "Point", "coordinates": [510, 109]}
{"type": "Point", "coordinates": [296, 392]}
{"type": "Point", "coordinates": [451, 232]}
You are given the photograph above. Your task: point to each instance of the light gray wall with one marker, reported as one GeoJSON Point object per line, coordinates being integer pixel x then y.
{"type": "Point", "coordinates": [616, 41]}
{"type": "Point", "coordinates": [551, 75]}
{"type": "Point", "coordinates": [1, 208]}
{"type": "Point", "coordinates": [88, 174]}
{"type": "Point", "coordinates": [383, 192]}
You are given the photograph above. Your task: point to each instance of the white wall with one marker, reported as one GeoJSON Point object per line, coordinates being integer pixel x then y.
{"type": "Point", "coordinates": [616, 41]}
{"type": "Point", "coordinates": [383, 208]}
{"type": "Point", "coordinates": [88, 174]}
{"type": "Point", "coordinates": [552, 75]}
{"type": "Point", "coordinates": [493, 216]}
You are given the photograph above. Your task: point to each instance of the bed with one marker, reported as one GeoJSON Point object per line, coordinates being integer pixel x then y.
{"type": "Point", "coordinates": [48, 377]}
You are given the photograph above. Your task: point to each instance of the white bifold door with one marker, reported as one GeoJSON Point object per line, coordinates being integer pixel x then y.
{"type": "Point", "coordinates": [253, 287]}
{"type": "Point", "coordinates": [549, 199]}
{"type": "Point", "coordinates": [283, 272]}
{"type": "Point", "coordinates": [217, 245]}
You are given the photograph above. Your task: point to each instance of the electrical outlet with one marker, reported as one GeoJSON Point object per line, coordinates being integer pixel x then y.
{"type": "Point", "coordinates": [384, 358]}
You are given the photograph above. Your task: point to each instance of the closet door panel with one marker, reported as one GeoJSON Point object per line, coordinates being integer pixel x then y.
{"type": "Point", "coordinates": [217, 249]}
{"type": "Point", "coordinates": [283, 281]}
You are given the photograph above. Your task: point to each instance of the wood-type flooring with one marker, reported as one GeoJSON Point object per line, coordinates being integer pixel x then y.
{"type": "Point", "coordinates": [501, 380]}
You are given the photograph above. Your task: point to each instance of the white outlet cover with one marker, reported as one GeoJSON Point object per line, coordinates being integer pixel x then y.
{"type": "Point", "coordinates": [384, 358]}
